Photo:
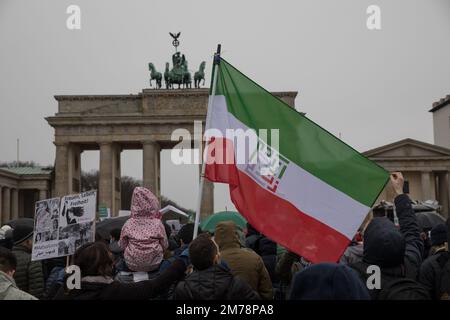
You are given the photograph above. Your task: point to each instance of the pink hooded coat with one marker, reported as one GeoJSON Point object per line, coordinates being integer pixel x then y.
{"type": "Point", "coordinates": [143, 237]}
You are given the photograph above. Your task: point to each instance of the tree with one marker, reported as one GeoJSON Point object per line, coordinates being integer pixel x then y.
{"type": "Point", "coordinates": [127, 185]}
{"type": "Point", "coordinates": [89, 180]}
{"type": "Point", "coordinates": [19, 164]}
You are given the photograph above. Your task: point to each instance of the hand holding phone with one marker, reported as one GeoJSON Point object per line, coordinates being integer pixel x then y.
{"type": "Point", "coordinates": [397, 182]}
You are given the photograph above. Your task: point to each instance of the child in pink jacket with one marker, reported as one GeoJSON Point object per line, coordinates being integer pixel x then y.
{"type": "Point", "coordinates": [143, 237]}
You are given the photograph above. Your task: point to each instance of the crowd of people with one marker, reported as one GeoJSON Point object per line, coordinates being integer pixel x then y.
{"type": "Point", "coordinates": [144, 260]}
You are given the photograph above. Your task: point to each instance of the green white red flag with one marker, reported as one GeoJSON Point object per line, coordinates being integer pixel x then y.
{"type": "Point", "coordinates": [317, 195]}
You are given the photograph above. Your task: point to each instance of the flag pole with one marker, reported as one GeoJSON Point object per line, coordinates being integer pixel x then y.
{"type": "Point", "coordinates": [202, 173]}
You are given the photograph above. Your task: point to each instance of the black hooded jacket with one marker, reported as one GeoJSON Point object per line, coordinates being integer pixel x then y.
{"type": "Point", "coordinates": [214, 283]}
{"type": "Point", "coordinates": [115, 290]}
{"type": "Point", "coordinates": [431, 272]}
{"type": "Point", "coordinates": [398, 253]}
{"type": "Point", "coordinates": [265, 248]}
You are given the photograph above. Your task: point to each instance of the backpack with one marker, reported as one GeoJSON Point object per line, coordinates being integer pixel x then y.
{"type": "Point", "coordinates": [403, 289]}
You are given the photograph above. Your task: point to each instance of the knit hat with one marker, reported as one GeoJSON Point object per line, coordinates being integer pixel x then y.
{"type": "Point", "coordinates": [22, 233]}
{"type": "Point", "coordinates": [438, 235]}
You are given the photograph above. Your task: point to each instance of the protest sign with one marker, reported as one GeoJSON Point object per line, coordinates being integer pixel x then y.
{"type": "Point", "coordinates": [174, 225]}
{"type": "Point", "coordinates": [63, 225]}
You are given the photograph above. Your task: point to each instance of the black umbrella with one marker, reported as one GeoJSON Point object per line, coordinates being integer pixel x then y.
{"type": "Point", "coordinates": [21, 221]}
{"type": "Point", "coordinates": [429, 219]}
{"type": "Point", "coordinates": [103, 228]}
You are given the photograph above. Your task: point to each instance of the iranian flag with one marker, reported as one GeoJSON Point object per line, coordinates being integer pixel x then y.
{"type": "Point", "coordinates": [319, 190]}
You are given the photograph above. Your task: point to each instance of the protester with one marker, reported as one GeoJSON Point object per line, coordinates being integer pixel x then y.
{"type": "Point", "coordinates": [243, 262]}
{"type": "Point", "coordinates": [96, 265]}
{"type": "Point", "coordinates": [355, 251]}
{"type": "Point", "coordinates": [114, 246]}
{"type": "Point", "coordinates": [287, 266]}
{"type": "Point", "coordinates": [398, 253]}
{"type": "Point", "coordinates": [29, 276]}
{"type": "Point", "coordinates": [211, 280]}
{"type": "Point", "coordinates": [328, 281]}
{"type": "Point", "coordinates": [445, 275]}
{"type": "Point", "coordinates": [8, 287]}
{"type": "Point", "coordinates": [432, 268]}
{"type": "Point", "coordinates": [427, 246]}
{"type": "Point", "coordinates": [185, 236]}
{"type": "Point", "coordinates": [143, 236]}
{"type": "Point", "coordinates": [54, 274]}
{"type": "Point", "coordinates": [438, 239]}
{"type": "Point", "coordinates": [50, 265]}
{"type": "Point", "coordinates": [169, 253]}
{"type": "Point", "coordinates": [265, 248]}
{"type": "Point", "coordinates": [173, 245]}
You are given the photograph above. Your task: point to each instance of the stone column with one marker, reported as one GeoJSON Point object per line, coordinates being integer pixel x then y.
{"type": "Point", "coordinates": [116, 151]}
{"type": "Point", "coordinates": [14, 204]}
{"type": "Point", "coordinates": [61, 169]}
{"type": "Point", "coordinates": [6, 208]}
{"type": "Point", "coordinates": [74, 168]}
{"type": "Point", "coordinates": [426, 185]}
{"type": "Point", "coordinates": [151, 152]}
{"type": "Point", "coordinates": [447, 195]}
{"type": "Point", "coordinates": [105, 181]}
{"type": "Point", "coordinates": [444, 192]}
{"type": "Point", "coordinates": [2, 220]}
{"type": "Point", "coordinates": [42, 194]}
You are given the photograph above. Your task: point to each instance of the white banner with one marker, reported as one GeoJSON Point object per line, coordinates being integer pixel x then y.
{"type": "Point", "coordinates": [63, 225]}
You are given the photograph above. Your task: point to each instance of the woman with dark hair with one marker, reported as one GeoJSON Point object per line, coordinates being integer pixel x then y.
{"type": "Point", "coordinates": [97, 269]}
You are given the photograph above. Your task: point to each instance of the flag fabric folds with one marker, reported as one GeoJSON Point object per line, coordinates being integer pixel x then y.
{"type": "Point", "coordinates": [318, 192]}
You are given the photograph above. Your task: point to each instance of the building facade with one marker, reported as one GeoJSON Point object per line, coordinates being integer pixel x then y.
{"type": "Point", "coordinates": [113, 123]}
{"type": "Point", "coordinates": [441, 122]}
{"type": "Point", "coordinates": [20, 188]}
{"type": "Point", "coordinates": [425, 166]}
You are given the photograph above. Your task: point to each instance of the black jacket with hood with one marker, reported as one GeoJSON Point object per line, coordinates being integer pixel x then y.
{"type": "Point", "coordinates": [397, 253]}
{"type": "Point", "coordinates": [214, 283]}
{"type": "Point", "coordinates": [431, 271]}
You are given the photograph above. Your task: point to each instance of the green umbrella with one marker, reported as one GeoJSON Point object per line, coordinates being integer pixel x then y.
{"type": "Point", "coordinates": [209, 224]}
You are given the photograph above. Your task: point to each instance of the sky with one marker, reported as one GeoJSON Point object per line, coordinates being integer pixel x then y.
{"type": "Point", "coordinates": [370, 87]}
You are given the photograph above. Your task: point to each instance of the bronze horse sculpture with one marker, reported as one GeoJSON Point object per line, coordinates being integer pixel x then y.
{"type": "Point", "coordinates": [167, 76]}
{"type": "Point", "coordinates": [200, 75]}
{"type": "Point", "coordinates": [154, 75]}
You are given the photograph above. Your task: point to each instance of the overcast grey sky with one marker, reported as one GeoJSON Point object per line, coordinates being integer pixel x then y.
{"type": "Point", "coordinates": [373, 87]}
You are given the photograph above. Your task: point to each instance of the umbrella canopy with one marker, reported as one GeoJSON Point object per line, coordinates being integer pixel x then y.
{"type": "Point", "coordinates": [427, 220]}
{"type": "Point", "coordinates": [103, 228]}
{"type": "Point", "coordinates": [426, 214]}
{"type": "Point", "coordinates": [22, 221]}
{"type": "Point", "coordinates": [209, 224]}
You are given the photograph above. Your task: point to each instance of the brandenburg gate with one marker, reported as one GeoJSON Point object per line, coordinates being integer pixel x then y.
{"type": "Point", "coordinates": [113, 123]}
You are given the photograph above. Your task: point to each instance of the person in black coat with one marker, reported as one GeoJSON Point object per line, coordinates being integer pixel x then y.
{"type": "Point", "coordinates": [211, 280]}
{"type": "Point", "coordinates": [398, 253]}
{"type": "Point", "coordinates": [97, 283]}
{"type": "Point", "coordinates": [265, 248]}
{"type": "Point", "coordinates": [430, 274]}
